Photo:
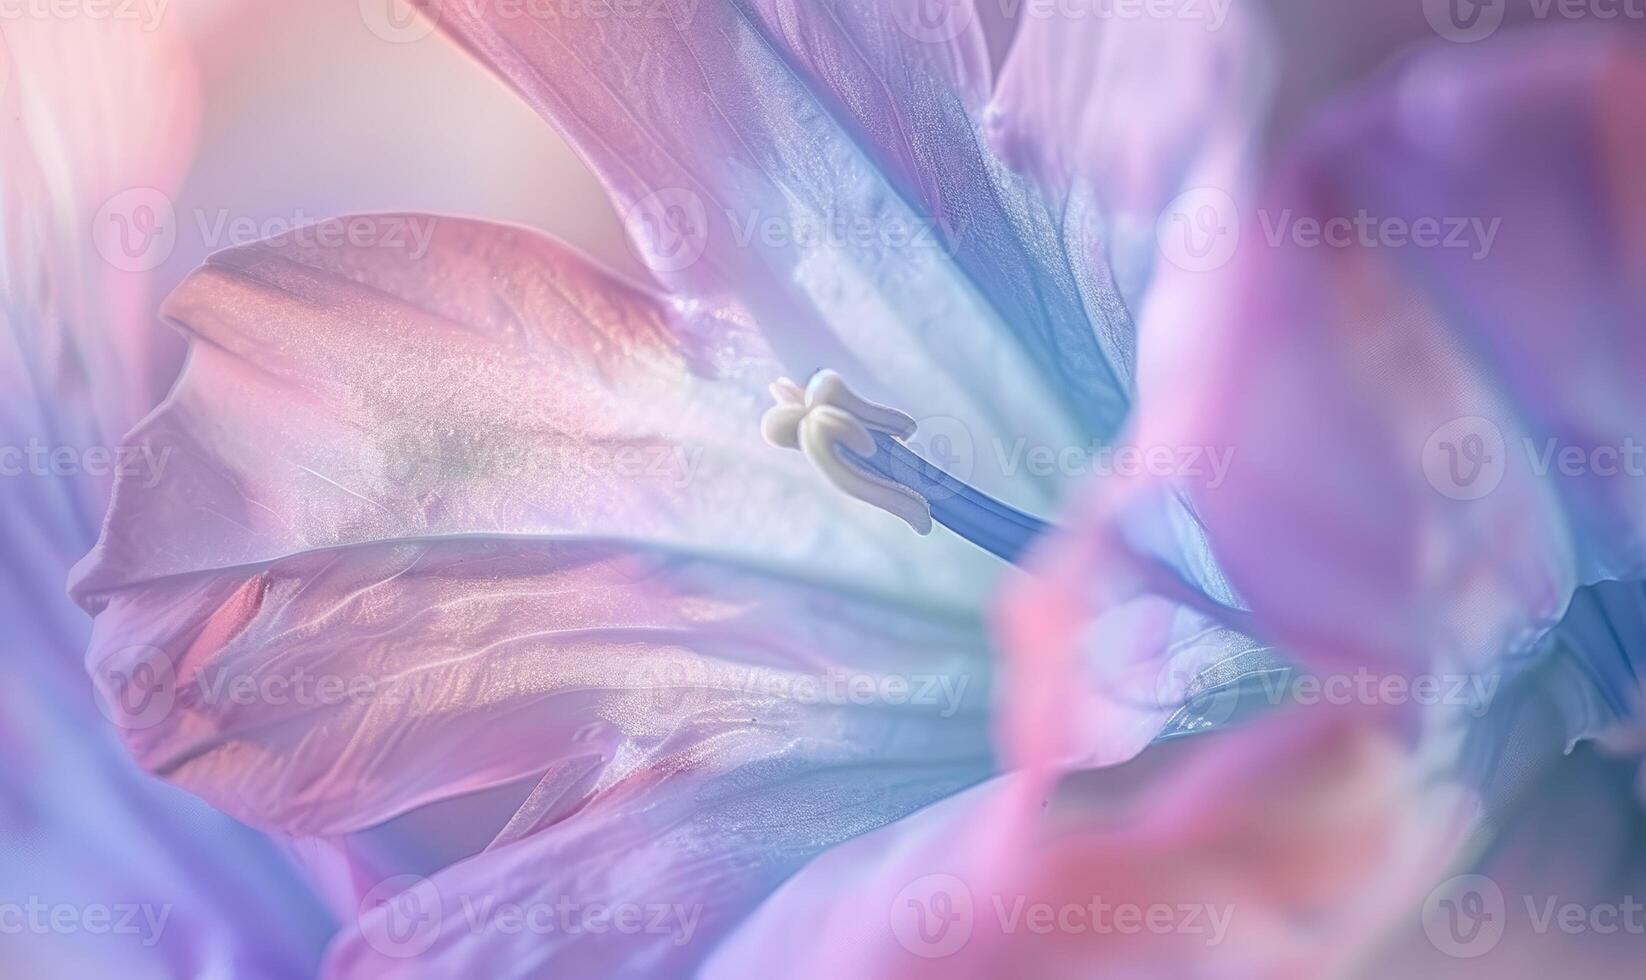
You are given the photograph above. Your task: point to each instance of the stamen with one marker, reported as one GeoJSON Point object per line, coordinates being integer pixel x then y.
{"type": "Point", "coordinates": [858, 446]}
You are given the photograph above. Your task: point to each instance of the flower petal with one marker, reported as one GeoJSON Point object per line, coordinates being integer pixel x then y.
{"type": "Point", "coordinates": [424, 520]}
{"type": "Point", "coordinates": [698, 799]}
{"type": "Point", "coordinates": [1277, 850]}
{"type": "Point", "coordinates": [820, 164]}
{"type": "Point", "coordinates": [1385, 404]}
{"type": "Point", "coordinates": [329, 692]}
{"type": "Point", "coordinates": [1112, 117]}
{"type": "Point", "coordinates": [1431, 554]}
{"type": "Point", "coordinates": [394, 376]}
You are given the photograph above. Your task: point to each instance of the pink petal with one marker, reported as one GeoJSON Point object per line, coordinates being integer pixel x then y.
{"type": "Point", "coordinates": [101, 115]}
{"type": "Point", "coordinates": [1348, 503]}
{"type": "Point", "coordinates": [1337, 376]}
{"type": "Point", "coordinates": [378, 378]}
{"type": "Point", "coordinates": [687, 844]}
{"type": "Point", "coordinates": [1299, 835]}
{"type": "Point", "coordinates": [394, 563]}
{"type": "Point", "coordinates": [329, 692]}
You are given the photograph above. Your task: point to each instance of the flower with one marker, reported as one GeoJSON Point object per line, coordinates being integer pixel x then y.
{"type": "Point", "coordinates": [493, 541]}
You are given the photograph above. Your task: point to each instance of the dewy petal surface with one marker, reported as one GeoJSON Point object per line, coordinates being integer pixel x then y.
{"type": "Point", "coordinates": [427, 522]}
{"type": "Point", "coordinates": [715, 771]}
{"type": "Point", "coordinates": [820, 163]}
{"type": "Point", "coordinates": [327, 693]}
{"type": "Point", "coordinates": [450, 377]}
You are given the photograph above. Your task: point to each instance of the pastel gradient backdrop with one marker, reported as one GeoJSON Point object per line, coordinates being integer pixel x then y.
{"type": "Point", "coordinates": [404, 570]}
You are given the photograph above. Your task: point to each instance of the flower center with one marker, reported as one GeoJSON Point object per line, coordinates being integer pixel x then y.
{"type": "Point", "coordinates": [858, 446]}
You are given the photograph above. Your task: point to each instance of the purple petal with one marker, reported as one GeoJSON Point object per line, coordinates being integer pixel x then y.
{"type": "Point", "coordinates": [1348, 383]}
{"type": "Point", "coordinates": [820, 165]}
{"type": "Point", "coordinates": [1278, 850]}
{"type": "Point", "coordinates": [474, 519]}
{"type": "Point", "coordinates": [442, 377]}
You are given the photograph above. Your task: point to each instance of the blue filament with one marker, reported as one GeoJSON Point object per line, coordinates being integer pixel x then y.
{"type": "Point", "coordinates": [998, 528]}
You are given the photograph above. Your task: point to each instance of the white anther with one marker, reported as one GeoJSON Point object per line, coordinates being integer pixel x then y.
{"type": "Point", "coordinates": [834, 427]}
